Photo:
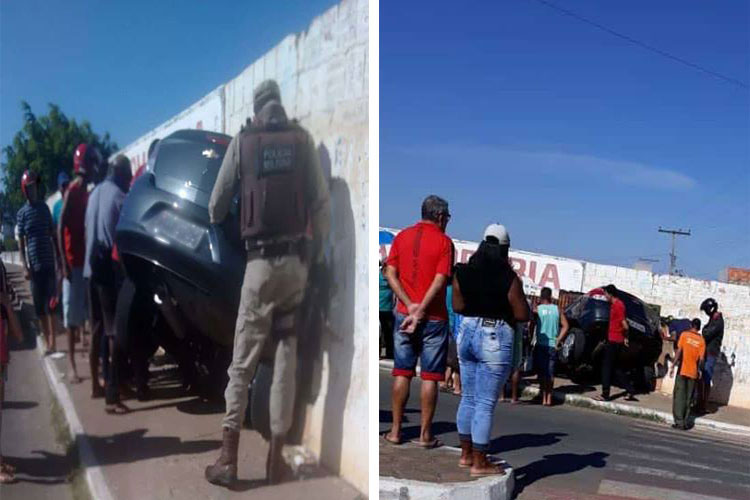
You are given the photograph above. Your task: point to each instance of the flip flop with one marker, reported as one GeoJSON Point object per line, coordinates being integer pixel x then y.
{"type": "Point", "coordinates": [6, 467]}
{"type": "Point", "coordinates": [7, 477]}
{"type": "Point", "coordinates": [600, 398]}
{"type": "Point", "coordinates": [499, 471]}
{"type": "Point", "coordinates": [399, 442]}
{"type": "Point", "coordinates": [429, 445]}
{"type": "Point", "coordinates": [118, 409]}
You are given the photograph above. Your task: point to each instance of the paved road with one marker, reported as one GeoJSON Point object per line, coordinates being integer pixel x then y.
{"type": "Point", "coordinates": [28, 435]}
{"type": "Point", "coordinates": [568, 452]}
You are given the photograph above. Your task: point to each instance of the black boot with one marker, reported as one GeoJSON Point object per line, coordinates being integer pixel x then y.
{"type": "Point", "coordinates": [224, 471]}
{"type": "Point", "coordinates": [277, 470]}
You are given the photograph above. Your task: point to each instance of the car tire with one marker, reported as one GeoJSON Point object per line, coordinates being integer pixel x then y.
{"type": "Point", "coordinates": [573, 347]}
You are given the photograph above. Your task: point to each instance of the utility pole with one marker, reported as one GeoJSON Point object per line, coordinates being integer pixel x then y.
{"type": "Point", "coordinates": [673, 255]}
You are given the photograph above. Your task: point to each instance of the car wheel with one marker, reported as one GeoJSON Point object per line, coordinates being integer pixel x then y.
{"type": "Point", "coordinates": [573, 347]}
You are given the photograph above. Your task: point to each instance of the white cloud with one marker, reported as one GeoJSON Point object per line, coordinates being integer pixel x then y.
{"type": "Point", "coordinates": [564, 164]}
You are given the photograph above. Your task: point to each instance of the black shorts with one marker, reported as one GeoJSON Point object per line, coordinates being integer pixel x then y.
{"type": "Point", "coordinates": [43, 288]}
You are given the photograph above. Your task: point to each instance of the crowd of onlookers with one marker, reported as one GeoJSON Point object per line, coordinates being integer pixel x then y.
{"type": "Point", "coordinates": [68, 255]}
{"type": "Point", "coordinates": [469, 325]}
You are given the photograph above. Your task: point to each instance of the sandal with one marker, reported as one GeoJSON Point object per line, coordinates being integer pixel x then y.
{"type": "Point", "coordinates": [7, 477]}
{"type": "Point", "coordinates": [429, 445]}
{"type": "Point", "coordinates": [6, 467]}
{"type": "Point", "coordinates": [601, 398]}
{"type": "Point", "coordinates": [493, 470]}
{"type": "Point", "coordinates": [117, 409]}
{"type": "Point", "coordinates": [394, 442]}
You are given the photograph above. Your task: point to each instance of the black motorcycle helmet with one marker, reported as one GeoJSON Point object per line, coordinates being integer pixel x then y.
{"type": "Point", "coordinates": [709, 306]}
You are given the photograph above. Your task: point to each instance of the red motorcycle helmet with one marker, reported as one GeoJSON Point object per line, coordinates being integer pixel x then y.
{"type": "Point", "coordinates": [86, 159]}
{"type": "Point", "coordinates": [28, 177]}
{"type": "Point", "coordinates": [79, 159]}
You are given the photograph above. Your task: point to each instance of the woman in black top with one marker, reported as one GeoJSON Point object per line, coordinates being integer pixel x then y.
{"type": "Point", "coordinates": [488, 296]}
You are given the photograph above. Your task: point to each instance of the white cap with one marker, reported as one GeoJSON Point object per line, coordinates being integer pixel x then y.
{"type": "Point", "coordinates": [499, 232]}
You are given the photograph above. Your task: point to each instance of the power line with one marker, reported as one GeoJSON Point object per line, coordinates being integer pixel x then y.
{"type": "Point", "coordinates": [646, 46]}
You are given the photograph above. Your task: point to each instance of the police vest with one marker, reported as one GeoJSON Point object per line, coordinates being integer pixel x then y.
{"type": "Point", "coordinates": [273, 178]}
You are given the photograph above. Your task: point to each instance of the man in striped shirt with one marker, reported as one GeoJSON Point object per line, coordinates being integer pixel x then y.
{"type": "Point", "coordinates": [39, 253]}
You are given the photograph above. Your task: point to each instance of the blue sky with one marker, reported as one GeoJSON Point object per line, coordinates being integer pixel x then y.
{"type": "Point", "coordinates": [580, 142]}
{"type": "Point", "coordinates": [128, 66]}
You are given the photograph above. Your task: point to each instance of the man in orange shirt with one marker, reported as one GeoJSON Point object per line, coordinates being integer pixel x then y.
{"type": "Point", "coordinates": [691, 352]}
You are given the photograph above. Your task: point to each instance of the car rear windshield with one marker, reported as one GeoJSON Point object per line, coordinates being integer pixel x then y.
{"type": "Point", "coordinates": [191, 160]}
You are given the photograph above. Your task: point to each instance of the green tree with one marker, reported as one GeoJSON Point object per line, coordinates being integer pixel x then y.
{"type": "Point", "coordinates": [45, 145]}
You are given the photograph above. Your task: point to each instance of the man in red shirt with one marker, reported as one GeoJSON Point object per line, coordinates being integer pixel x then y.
{"type": "Point", "coordinates": [418, 269]}
{"type": "Point", "coordinates": [617, 341]}
{"type": "Point", "coordinates": [71, 236]}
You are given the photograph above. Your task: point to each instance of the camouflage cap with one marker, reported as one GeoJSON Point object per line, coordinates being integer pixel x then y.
{"type": "Point", "coordinates": [268, 90]}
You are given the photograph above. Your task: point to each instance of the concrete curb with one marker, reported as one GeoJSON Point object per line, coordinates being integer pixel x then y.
{"type": "Point", "coordinates": [637, 412]}
{"type": "Point", "coordinates": [486, 488]}
{"type": "Point", "coordinates": [624, 409]}
{"type": "Point", "coordinates": [94, 477]}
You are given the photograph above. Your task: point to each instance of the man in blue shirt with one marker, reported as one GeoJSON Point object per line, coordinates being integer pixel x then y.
{"type": "Point", "coordinates": [39, 253]}
{"type": "Point", "coordinates": [549, 339]}
{"type": "Point", "coordinates": [102, 214]}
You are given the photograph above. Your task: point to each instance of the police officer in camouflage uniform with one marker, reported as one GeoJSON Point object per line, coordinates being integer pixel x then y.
{"type": "Point", "coordinates": [285, 205]}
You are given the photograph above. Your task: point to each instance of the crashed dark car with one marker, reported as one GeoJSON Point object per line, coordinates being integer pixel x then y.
{"type": "Point", "coordinates": [183, 274]}
{"type": "Point", "coordinates": [581, 353]}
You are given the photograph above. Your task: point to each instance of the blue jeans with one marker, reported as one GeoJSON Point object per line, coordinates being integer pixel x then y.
{"type": "Point", "coordinates": [708, 369]}
{"type": "Point", "coordinates": [429, 343]}
{"type": "Point", "coordinates": [485, 354]}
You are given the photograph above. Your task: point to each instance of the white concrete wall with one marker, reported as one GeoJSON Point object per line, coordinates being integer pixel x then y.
{"type": "Point", "coordinates": [205, 114]}
{"type": "Point", "coordinates": [323, 74]}
{"type": "Point", "coordinates": [681, 297]}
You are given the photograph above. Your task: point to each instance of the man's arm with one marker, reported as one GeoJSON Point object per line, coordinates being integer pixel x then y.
{"type": "Point", "coordinates": [391, 275]}
{"type": "Point", "coordinates": [563, 331]}
{"type": "Point", "coordinates": [60, 228]}
{"type": "Point", "coordinates": [13, 325]}
{"type": "Point", "coordinates": [320, 201]}
{"type": "Point", "coordinates": [438, 283]}
{"type": "Point", "coordinates": [711, 331]}
{"type": "Point", "coordinates": [416, 314]}
{"type": "Point", "coordinates": [226, 182]}
{"type": "Point", "coordinates": [677, 360]}
{"type": "Point", "coordinates": [22, 251]}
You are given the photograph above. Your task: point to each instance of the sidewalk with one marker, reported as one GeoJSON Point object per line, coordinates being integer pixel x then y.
{"type": "Point", "coordinates": [160, 448]}
{"type": "Point", "coordinates": [655, 406]}
{"type": "Point", "coordinates": [32, 435]}
{"type": "Point", "coordinates": [428, 474]}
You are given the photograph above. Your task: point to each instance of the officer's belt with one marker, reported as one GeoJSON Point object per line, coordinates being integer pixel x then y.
{"type": "Point", "coordinates": [275, 249]}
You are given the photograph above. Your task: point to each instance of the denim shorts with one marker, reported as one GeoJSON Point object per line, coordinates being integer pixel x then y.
{"type": "Point", "coordinates": [74, 299]}
{"type": "Point", "coordinates": [43, 288]}
{"type": "Point", "coordinates": [544, 360]}
{"type": "Point", "coordinates": [429, 343]}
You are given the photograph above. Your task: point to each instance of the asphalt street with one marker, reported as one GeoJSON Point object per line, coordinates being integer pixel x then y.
{"type": "Point", "coordinates": [569, 452]}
